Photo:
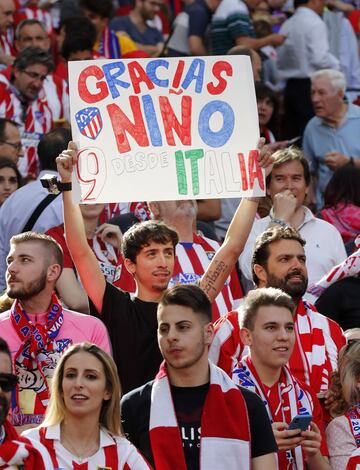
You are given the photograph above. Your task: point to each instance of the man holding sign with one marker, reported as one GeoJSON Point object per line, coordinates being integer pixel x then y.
{"type": "Point", "coordinates": [149, 255]}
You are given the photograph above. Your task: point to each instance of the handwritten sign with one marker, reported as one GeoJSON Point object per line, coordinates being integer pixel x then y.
{"type": "Point", "coordinates": [164, 129]}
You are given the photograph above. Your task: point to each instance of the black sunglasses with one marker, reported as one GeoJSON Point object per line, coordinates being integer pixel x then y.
{"type": "Point", "coordinates": [7, 382]}
{"type": "Point", "coordinates": [350, 342]}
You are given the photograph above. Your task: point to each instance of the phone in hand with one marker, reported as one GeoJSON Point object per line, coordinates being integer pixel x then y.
{"type": "Point", "coordinates": [301, 422]}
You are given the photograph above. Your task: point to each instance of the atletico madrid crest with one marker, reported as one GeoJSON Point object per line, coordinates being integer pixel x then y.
{"type": "Point", "coordinates": [89, 122]}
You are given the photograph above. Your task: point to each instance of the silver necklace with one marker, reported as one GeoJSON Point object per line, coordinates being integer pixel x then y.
{"type": "Point", "coordinates": [86, 452]}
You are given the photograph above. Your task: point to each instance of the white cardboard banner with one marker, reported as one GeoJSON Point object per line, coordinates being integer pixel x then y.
{"type": "Point", "coordinates": [165, 129]}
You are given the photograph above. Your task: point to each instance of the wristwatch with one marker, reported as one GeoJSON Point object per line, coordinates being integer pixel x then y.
{"type": "Point", "coordinates": [64, 186]}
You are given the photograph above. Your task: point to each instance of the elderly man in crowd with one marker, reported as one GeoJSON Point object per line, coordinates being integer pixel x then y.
{"type": "Point", "coordinates": [331, 138]}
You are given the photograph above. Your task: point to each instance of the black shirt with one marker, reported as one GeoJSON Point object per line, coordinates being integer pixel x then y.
{"type": "Point", "coordinates": [132, 326]}
{"type": "Point", "coordinates": [341, 302]}
{"type": "Point", "coordinates": [188, 404]}
{"type": "Point", "coordinates": [135, 411]}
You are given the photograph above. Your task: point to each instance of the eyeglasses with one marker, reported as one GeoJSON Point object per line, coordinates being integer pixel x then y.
{"type": "Point", "coordinates": [17, 146]}
{"type": "Point", "coordinates": [35, 75]}
{"type": "Point", "coordinates": [7, 382]}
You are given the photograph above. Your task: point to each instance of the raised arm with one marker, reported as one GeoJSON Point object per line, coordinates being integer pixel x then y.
{"type": "Point", "coordinates": [84, 259]}
{"type": "Point", "coordinates": [225, 258]}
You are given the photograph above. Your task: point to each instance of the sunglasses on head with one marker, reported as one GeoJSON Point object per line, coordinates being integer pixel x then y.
{"type": "Point", "coordinates": [350, 343]}
{"type": "Point", "coordinates": [7, 382]}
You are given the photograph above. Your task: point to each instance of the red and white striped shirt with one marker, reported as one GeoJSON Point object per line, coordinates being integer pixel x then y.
{"type": "Point", "coordinates": [56, 92]}
{"type": "Point", "coordinates": [115, 452]}
{"type": "Point", "coordinates": [34, 118]}
{"type": "Point", "coordinates": [31, 12]}
{"type": "Point", "coordinates": [192, 260]}
{"type": "Point", "coordinates": [315, 356]}
{"type": "Point", "coordinates": [6, 46]}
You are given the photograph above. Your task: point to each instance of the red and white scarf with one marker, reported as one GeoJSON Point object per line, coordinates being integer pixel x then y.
{"type": "Point", "coordinates": [349, 267]}
{"type": "Point", "coordinates": [316, 349]}
{"type": "Point", "coordinates": [35, 339]}
{"type": "Point", "coordinates": [294, 401]}
{"type": "Point", "coordinates": [18, 451]}
{"type": "Point", "coordinates": [225, 426]}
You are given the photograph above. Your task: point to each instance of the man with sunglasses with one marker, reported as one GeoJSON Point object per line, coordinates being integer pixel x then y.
{"type": "Point", "coordinates": [14, 449]}
{"type": "Point", "coordinates": [10, 140]}
{"type": "Point", "coordinates": [20, 101]}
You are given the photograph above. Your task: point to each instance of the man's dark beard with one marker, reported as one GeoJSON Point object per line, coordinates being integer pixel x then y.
{"type": "Point", "coordinates": [34, 289]}
{"type": "Point", "coordinates": [4, 409]}
{"type": "Point", "coordinates": [295, 290]}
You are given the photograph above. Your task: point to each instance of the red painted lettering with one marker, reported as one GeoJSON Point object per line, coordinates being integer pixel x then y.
{"type": "Point", "coordinates": [244, 180]}
{"type": "Point", "coordinates": [178, 74]}
{"type": "Point", "coordinates": [171, 122]}
{"type": "Point", "coordinates": [137, 75]}
{"type": "Point", "coordinates": [121, 125]}
{"type": "Point", "coordinates": [218, 69]}
{"type": "Point", "coordinates": [84, 93]}
{"type": "Point", "coordinates": [255, 171]}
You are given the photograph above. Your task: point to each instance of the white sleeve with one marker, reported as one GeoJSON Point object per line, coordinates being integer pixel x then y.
{"type": "Point", "coordinates": [318, 45]}
{"type": "Point", "coordinates": [340, 442]}
{"type": "Point", "coordinates": [339, 251]}
{"type": "Point", "coordinates": [246, 255]}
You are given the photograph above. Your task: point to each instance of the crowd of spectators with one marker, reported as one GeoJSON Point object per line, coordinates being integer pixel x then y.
{"type": "Point", "coordinates": [218, 322]}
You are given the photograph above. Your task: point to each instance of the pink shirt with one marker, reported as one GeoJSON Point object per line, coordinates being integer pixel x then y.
{"type": "Point", "coordinates": [76, 328]}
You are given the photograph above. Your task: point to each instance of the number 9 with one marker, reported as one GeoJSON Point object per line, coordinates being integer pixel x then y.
{"type": "Point", "coordinates": [91, 171]}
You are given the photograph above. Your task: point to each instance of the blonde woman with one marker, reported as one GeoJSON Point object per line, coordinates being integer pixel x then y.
{"type": "Point", "coordinates": [343, 433]}
{"type": "Point", "coordinates": [82, 427]}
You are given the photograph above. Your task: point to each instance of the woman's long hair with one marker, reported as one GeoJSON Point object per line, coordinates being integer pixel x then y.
{"type": "Point", "coordinates": [349, 368]}
{"type": "Point", "coordinates": [110, 410]}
